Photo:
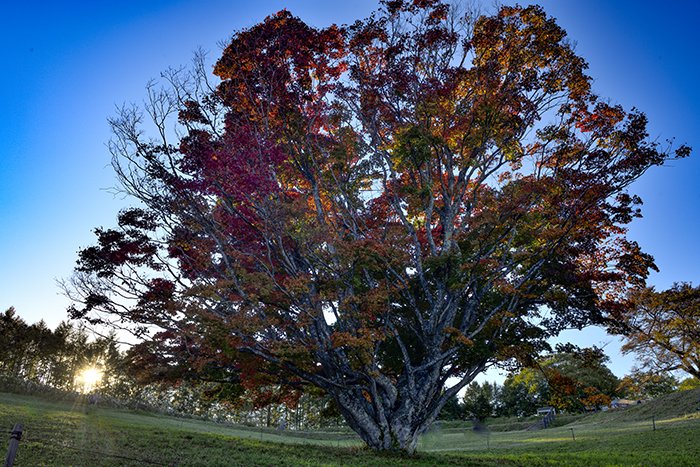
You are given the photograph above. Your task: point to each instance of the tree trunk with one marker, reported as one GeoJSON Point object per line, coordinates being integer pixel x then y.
{"type": "Point", "coordinates": [398, 432]}
{"type": "Point", "coordinates": [391, 423]}
{"type": "Point", "coordinates": [390, 414]}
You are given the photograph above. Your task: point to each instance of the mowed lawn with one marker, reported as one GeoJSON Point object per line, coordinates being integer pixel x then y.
{"type": "Point", "coordinates": [72, 434]}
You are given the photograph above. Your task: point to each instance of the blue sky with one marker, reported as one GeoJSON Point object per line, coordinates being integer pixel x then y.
{"type": "Point", "coordinates": [66, 66]}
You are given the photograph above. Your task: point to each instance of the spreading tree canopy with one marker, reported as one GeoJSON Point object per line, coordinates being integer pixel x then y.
{"type": "Point", "coordinates": [663, 328]}
{"type": "Point", "coordinates": [374, 209]}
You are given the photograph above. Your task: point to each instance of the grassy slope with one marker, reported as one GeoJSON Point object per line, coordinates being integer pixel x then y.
{"type": "Point", "coordinates": [674, 405]}
{"type": "Point", "coordinates": [60, 434]}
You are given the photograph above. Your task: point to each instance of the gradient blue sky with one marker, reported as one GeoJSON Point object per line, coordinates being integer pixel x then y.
{"type": "Point", "coordinates": [67, 65]}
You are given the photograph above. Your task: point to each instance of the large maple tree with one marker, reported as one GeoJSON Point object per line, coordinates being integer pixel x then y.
{"type": "Point", "coordinates": [381, 210]}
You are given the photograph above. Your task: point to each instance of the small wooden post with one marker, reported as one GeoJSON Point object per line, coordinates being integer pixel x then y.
{"type": "Point", "coordinates": [653, 422]}
{"type": "Point", "coordinates": [14, 444]}
{"type": "Point", "coordinates": [573, 436]}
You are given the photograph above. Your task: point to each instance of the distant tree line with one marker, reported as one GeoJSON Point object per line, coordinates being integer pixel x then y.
{"type": "Point", "coordinates": [570, 380]}
{"type": "Point", "coordinates": [35, 353]}
{"type": "Point", "coordinates": [36, 359]}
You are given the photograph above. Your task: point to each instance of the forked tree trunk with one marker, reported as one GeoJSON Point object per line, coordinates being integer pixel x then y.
{"type": "Point", "coordinates": [398, 431]}
{"type": "Point", "coordinates": [394, 418]}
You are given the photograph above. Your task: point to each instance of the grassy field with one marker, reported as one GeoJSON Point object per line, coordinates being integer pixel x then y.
{"type": "Point", "coordinates": [59, 434]}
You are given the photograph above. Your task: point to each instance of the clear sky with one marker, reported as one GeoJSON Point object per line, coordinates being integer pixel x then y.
{"type": "Point", "coordinates": [66, 65]}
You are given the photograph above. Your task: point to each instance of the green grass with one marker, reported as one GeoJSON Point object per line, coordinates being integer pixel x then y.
{"type": "Point", "coordinates": [59, 434]}
{"type": "Point", "coordinates": [505, 423]}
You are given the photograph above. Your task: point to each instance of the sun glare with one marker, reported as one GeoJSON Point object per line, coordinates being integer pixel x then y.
{"type": "Point", "coordinates": [89, 378]}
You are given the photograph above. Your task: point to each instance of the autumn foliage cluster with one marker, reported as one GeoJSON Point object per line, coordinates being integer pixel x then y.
{"type": "Point", "coordinates": [373, 210]}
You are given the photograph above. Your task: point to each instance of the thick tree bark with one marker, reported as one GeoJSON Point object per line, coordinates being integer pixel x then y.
{"type": "Point", "coordinates": [398, 428]}
{"type": "Point", "coordinates": [394, 418]}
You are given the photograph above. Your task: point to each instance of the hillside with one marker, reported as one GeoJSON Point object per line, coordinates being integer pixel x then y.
{"type": "Point", "coordinates": [59, 434]}
{"type": "Point", "coordinates": [674, 405]}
